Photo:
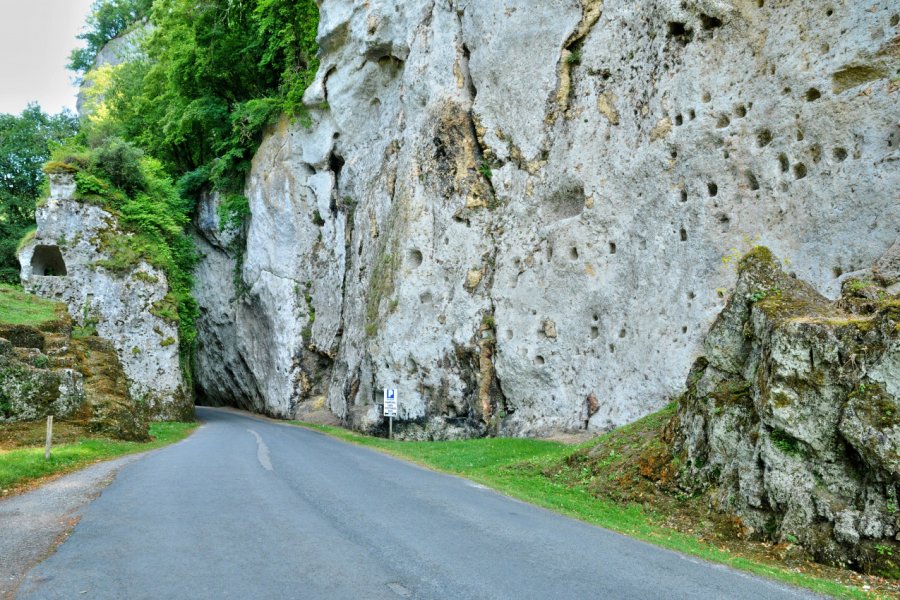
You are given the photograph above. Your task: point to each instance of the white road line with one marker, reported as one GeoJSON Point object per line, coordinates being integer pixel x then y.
{"type": "Point", "coordinates": [262, 452]}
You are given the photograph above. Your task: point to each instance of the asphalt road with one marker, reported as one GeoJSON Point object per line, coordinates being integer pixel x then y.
{"type": "Point", "coordinates": [251, 509]}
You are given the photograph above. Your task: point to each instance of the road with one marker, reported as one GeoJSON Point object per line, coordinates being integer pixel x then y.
{"type": "Point", "coordinates": [250, 509]}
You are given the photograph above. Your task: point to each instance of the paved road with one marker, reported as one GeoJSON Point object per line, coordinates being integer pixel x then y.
{"type": "Point", "coordinates": [250, 509]}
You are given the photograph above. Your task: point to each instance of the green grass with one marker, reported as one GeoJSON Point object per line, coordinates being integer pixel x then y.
{"type": "Point", "coordinates": [20, 308]}
{"type": "Point", "coordinates": [516, 468]}
{"type": "Point", "coordinates": [23, 466]}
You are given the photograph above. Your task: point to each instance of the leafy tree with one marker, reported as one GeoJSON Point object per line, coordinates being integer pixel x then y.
{"type": "Point", "coordinates": [25, 143]}
{"type": "Point", "coordinates": [215, 73]}
{"type": "Point", "coordinates": [108, 20]}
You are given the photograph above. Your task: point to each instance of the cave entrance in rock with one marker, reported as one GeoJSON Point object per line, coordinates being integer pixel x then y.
{"type": "Point", "coordinates": [47, 261]}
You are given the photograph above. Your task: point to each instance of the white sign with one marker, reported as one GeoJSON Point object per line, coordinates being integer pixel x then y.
{"type": "Point", "coordinates": [390, 403]}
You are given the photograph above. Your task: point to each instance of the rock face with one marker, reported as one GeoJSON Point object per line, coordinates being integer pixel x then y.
{"type": "Point", "coordinates": [44, 370]}
{"type": "Point", "coordinates": [68, 260]}
{"type": "Point", "coordinates": [792, 419]}
{"type": "Point", "coordinates": [515, 212]}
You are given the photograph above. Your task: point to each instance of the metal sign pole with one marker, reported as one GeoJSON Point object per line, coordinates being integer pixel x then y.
{"type": "Point", "coordinates": [390, 428]}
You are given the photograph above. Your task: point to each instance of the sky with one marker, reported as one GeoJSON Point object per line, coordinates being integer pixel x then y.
{"type": "Point", "coordinates": [36, 37]}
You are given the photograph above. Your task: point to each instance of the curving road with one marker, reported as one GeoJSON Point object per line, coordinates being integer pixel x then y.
{"type": "Point", "coordinates": [250, 509]}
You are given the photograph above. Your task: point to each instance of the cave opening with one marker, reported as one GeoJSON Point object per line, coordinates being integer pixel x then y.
{"type": "Point", "coordinates": [47, 261]}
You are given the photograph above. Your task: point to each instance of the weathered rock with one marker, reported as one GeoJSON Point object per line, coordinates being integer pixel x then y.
{"type": "Point", "coordinates": [578, 162]}
{"type": "Point", "coordinates": [31, 390]}
{"type": "Point", "coordinates": [70, 260]}
{"type": "Point", "coordinates": [792, 421]}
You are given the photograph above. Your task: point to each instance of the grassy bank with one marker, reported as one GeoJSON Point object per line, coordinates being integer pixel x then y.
{"type": "Point", "coordinates": [20, 308]}
{"type": "Point", "coordinates": [543, 473]}
{"type": "Point", "coordinates": [24, 467]}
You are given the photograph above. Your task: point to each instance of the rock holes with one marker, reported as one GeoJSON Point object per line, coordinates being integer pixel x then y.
{"type": "Point", "coordinates": [573, 253]}
{"type": "Point", "coordinates": [680, 32]}
{"type": "Point", "coordinates": [837, 272]}
{"type": "Point", "coordinates": [684, 329]}
{"type": "Point", "coordinates": [595, 332]}
{"type": "Point", "coordinates": [712, 188]}
{"type": "Point", "coordinates": [895, 20]}
{"type": "Point", "coordinates": [706, 97]}
{"type": "Point", "coordinates": [740, 111]}
{"type": "Point", "coordinates": [509, 334]}
{"type": "Point", "coordinates": [622, 333]}
{"type": "Point", "coordinates": [829, 12]}
{"type": "Point", "coordinates": [784, 163]}
{"type": "Point", "coordinates": [539, 360]}
{"type": "Point", "coordinates": [840, 154]}
{"type": "Point", "coordinates": [691, 295]}
{"type": "Point", "coordinates": [596, 318]}
{"type": "Point", "coordinates": [612, 247]}
{"type": "Point", "coordinates": [799, 171]}
{"type": "Point", "coordinates": [414, 258]}
{"type": "Point", "coordinates": [683, 195]}
{"type": "Point", "coordinates": [612, 348]}
{"type": "Point", "coordinates": [723, 121]}
{"type": "Point", "coordinates": [800, 135]}
{"type": "Point", "coordinates": [679, 120]}
{"type": "Point", "coordinates": [752, 181]}
{"type": "Point", "coordinates": [763, 138]}
{"type": "Point", "coordinates": [426, 298]}
{"type": "Point", "coordinates": [682, 233]}
{"type": "Point", "coordinates": [709, 22]}
{"type": "Point", "coordinates": [812, 94]}
{"type": "Point", "coordinates": [760, 3]}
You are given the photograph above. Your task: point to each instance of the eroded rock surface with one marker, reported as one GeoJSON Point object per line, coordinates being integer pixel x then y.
{"type": "Point", "coordinates": [792, 419]}
{"type": "Point", "coordinates": [68, 260]}
{"type": "Point", "coordinates": [515, 212]}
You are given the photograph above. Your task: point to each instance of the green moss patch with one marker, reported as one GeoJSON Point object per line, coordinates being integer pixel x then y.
{"type": "Point", "coordinates": [20, 308]}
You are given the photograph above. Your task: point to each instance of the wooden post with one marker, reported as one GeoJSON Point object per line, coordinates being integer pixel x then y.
{"type": "Point", "coordinates": [49, 437]}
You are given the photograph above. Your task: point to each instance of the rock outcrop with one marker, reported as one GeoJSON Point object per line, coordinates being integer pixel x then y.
{"type": "Point", "coordinates": [45, 370]}
{"type": "Point", "coordinates": [69, 259]}
{"type": "Point", "coordinates": [515, 212]}
{"type": "Point", "coordinates": [792, 418]}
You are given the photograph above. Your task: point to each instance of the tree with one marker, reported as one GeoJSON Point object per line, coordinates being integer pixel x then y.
{"type": "Point", "coordinates": [25, 143]}
{"type": "Point", "coordinates": [108, 20]}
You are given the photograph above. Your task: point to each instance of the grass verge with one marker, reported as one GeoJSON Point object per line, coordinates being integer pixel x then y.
{"type": "Point", "coordinates": [20, 308]}
{"type": "Point", "coordinates": [536, 471]}
{"type": "Point", "coordinates": [22, 468]}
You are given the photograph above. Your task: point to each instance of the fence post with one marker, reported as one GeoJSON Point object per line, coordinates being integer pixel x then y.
{"type": "Point", "coordinates": [49, 437]}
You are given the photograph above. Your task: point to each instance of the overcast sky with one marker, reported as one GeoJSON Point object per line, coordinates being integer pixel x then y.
{"type": "Point", "coordinates": [36, 37]}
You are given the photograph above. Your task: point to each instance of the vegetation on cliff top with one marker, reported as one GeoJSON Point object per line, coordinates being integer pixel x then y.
{"type": "Point", "coordinates": [212, 76]}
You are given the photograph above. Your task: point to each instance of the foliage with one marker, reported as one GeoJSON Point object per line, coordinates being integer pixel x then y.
{"type": "Point", "coordinates": [213, 76]}
{"type": "Point", "coordinates": [108, 20]}
{"type": "Point", "coordinates": [119, 177]}
{"type": "Point", "coordinates": [25, 142]}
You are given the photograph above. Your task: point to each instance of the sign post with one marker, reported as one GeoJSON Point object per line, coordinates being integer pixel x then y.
{"type": "Point", "coordinates": [390, 409]}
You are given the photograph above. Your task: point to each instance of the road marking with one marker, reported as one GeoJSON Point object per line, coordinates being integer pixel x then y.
{"type": "Point", "coordinates": [262, 452]}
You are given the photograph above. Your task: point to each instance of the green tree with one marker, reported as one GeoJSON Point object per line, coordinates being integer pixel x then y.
{"type": "Point", "coordinates": [25, 143]}
{"type": "Point", "coordinates": [108, 20]}
{"type": "Point", "coordinates": [215, 73]}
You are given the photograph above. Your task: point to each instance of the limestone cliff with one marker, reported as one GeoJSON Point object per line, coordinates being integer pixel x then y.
{"type": "Point", "coordinates": [515, 212]}
{"type": "Point", "coordinates": [69, 260]}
